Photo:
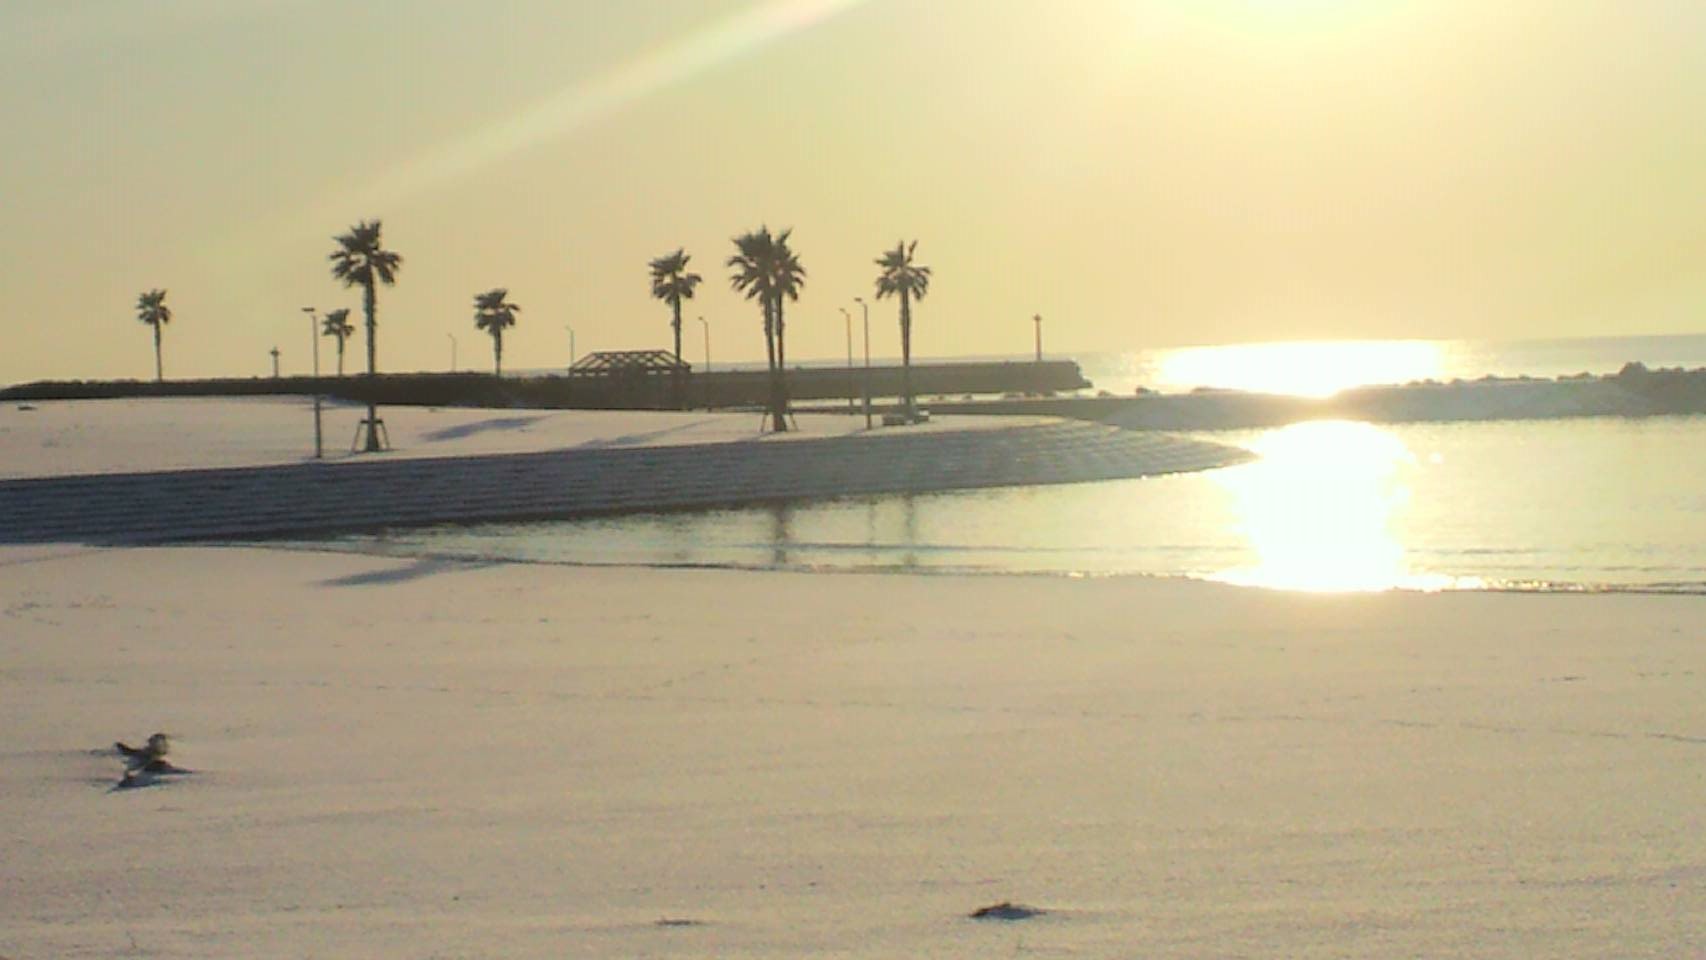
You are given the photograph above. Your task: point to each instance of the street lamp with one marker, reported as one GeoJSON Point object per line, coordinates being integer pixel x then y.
{"type": "Point", "coordinates": [1037, 318]}
{"type": "Point", "coordinates": [865, 308]}
{"type": "Point", "coordinates": [571, 343]}
{"type": "Point", "coordinates": [452, 337]}
{"type": "Point", "coordinates": [850, 391]}
{"type": "Point", "coordinates": [707, 327]}
{"type": "Point", "coordinates": [314, 346]}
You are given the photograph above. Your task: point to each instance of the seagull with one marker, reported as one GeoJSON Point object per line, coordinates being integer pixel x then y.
{"type": "Point", "coordinates": [148, 759]}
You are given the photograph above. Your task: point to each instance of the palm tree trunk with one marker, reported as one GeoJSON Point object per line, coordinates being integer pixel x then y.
{"type": "Point", "coordinates": [906, 354]}
{"type": "Point", "coordinates": [370, 304]}
{"type": "Point", "coordinates": [497, 352]}
{"type": "Point", "coordinates": [779, 391]}
{"type": "Point", "coordinates": [340, 355]}
{"type": "Point", "coordinates": [159, 369]}
{"type": "Point", "coordinates": [770, 357]}
{"type": "Point", "coordinates": [680, 383]}
{"type": "Point", "coordinates": [676, 324]}
{"type": "Point", "coordinates": [769, 339]}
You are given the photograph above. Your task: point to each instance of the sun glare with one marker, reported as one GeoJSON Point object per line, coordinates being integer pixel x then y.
{"type": "Point", "coordinates": [1317, 368]}
{"type": "Point", "coordinates": [573, 107]}
{"type": "Point", "coordinates": [1318, 510]}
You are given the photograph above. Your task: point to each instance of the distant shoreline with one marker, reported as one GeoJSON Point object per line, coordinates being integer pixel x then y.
{"type": "Point", "coordinates": [1634, 391]}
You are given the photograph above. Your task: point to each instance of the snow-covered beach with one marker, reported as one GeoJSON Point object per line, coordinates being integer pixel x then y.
{"type": "Point", "coordinates": [427, 758]}
{"type": "Point", "coordinates": [400, 758]}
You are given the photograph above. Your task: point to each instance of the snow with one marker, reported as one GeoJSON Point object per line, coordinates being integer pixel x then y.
{"type": "Point", "coordinates": [400, 758]}
{"type": "Point", "coordinates": [59, 437]}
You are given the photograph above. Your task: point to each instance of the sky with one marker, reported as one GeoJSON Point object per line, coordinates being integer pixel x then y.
{"type": "Point", "coordinates": [1141, 173]}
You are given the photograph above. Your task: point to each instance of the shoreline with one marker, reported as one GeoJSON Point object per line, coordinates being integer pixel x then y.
{"type": "Point", "coordinates": [433, 555]}
{"type": "Point", "coordinates": [1634, 391]}
{"type": "Point", "coordinates": [557, 465]}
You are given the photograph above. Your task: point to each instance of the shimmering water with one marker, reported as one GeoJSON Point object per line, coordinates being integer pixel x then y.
{"type": "Point", "coordinates": [1563, 504]}
{"type": "Point", "coordinates": [1598, 503]}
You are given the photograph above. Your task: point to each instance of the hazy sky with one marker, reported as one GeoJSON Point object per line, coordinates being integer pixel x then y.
{"type": "Point", "coordinates": [1143, 173]}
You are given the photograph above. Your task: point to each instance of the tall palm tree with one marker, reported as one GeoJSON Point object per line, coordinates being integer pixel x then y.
{"type": "Point", "coordinates": [336, 324]}
{"type": "Point", "coordinates": [910, 281]}
{"type": "Point", "coordinates": [361, 261]}
{"type": "Point", "coordinates": [752, 274]}
{"type": "Point", "coordinates": [789, 277]}
{"type": "Point", "coordinates": [151, 309]}
{"type": "Point", "coordinates": [493, 315]}
{"type": "Point", "coordinates": [766, 270]}
{"type": "Point", "coordinates": [672, 284]}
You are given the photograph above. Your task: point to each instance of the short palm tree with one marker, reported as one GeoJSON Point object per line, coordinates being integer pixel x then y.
{"type": "Point", "coordinates": [151, 309]}
{"type": "Point", "coordinates": [672, 284]}
{"type": "Point", "coordinates": [766, 270]}
{"type": "Point", "coordinates": [336, 324]}
{"type": "Point", "coordinates": [900, 276]}
{"type": "Point", "coordinates": [361, 261]}
{"type": "Point", "coordinates": [493, 315]}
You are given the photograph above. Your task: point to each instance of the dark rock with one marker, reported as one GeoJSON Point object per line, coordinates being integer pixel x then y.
{"type": "Point", "coordinates": [1006, 910]}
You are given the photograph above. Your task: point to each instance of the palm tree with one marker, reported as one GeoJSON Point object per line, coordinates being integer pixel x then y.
{"type": "Point", "coordinates": [766, 270]}
{"type": "Point", "coordinates": [752, 276]}
{"type": "Point", "coordinates": [492, 315]}
{"type": "Point", "coordinates": [361, 261]}
{"type": "Point", "coordinates": [336, 324]}
{"type": "Point", "coordinates": [790, 276]}
{"type": "Point", "coordinates": [672, 284]}
{"type": "Point", "coordinates": [901, 276]}
{"type": "Point", "coordinates": [151, 309]}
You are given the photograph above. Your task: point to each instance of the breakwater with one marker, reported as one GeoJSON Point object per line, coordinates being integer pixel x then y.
{"type": "Point", "coordinates": [1634, 391]}
{"type": "Point", "coordinates": [625, 391]}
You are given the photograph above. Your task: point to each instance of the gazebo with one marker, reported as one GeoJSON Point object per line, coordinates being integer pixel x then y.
{"type": "Point", "coordinates": [631, 378]}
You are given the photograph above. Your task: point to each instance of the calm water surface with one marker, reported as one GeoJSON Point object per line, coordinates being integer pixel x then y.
{"type": "Point", "coordinates": [1564, 504]}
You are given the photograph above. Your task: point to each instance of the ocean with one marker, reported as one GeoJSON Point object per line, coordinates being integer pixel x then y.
{"type": "Point", "coordinates": [1576, 504]}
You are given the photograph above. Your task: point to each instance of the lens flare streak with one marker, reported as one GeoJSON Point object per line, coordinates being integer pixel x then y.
{"type": "Point", "coordinates": [584, 102]}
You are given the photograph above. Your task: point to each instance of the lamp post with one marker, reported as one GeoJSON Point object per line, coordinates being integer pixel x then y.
{"type": "Point", "coordinates": [1037, 318]}
{"type": "Point", "coordinates": [314, 346]}
{"type": "Point", "coordinates": [707, 327]}
{"type": "Point", "coordinates": [850, 391]}
{"type": "Point", "coordinates": [274, 352]}
{"type": "Point", "coordinates": [452, 337]}
{"type": "Point", "coordinates": [571, 343]}
{"type": "Point", "coordinates": [865, 309]}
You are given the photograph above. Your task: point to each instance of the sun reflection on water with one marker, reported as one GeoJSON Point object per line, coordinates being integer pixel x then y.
{"type": "Point", "coordinates": [1319, 509]}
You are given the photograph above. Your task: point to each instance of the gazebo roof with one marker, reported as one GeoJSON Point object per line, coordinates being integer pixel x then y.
{"type": "Point", "coordinates": [628, 361]}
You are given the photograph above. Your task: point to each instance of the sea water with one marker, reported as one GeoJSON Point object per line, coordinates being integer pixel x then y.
{"type": "Point", "coordinates": [1584, 503]}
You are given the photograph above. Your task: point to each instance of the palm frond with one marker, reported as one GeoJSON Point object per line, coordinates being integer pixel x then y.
{"type": "Point", "coordinates": [900, 275]}
{"type": "Point", "coordinates": [493, 312]}
{"type": "Point", "coordinates": [359, 259]}
{"type": "Point", "coordinates": [151, 308]}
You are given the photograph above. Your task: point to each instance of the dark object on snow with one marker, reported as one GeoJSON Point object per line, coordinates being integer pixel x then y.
{"type": "Point", "coordinates": [1006, 910]}
{"type": "Point", "coordinates": [149, 759]}
{"type": "Point", "coordinates": [141, 764]}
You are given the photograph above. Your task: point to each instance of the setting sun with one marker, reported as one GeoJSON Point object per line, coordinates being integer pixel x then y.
{"type": "Point", "coordinates": [1307, 369]}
